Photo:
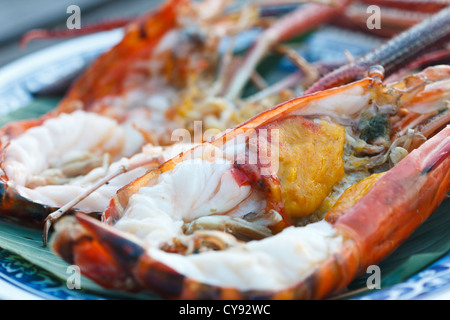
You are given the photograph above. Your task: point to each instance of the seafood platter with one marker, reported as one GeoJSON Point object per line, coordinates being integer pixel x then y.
{"type": "Point", "coordinates": [224, 149]}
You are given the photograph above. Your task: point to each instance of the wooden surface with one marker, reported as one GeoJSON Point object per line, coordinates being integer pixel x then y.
{"type": "Point", "coordinates": [18, 17]}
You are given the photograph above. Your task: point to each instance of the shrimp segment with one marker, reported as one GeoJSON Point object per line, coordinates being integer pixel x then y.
{"type": "Point", "coordinates": [166, 231]}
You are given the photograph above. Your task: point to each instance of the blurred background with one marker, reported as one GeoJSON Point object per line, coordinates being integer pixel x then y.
{"type": "Point", "coordinates": [18, 17]}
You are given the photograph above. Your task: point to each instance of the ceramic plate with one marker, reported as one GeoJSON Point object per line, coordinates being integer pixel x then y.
{"type": "Point", "coordinates": [19, 81]}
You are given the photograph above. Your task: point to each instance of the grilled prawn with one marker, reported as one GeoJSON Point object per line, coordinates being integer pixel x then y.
{"type": "Point", "coordinates": [45, 164]}
{"type": "Point", "coordinates": [293, 203]}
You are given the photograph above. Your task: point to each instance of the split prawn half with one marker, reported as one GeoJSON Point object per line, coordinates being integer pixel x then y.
{"type": "Point", "coordinates": [292, 204]}
{"type": "Point", "coordinates": [84, 156]}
